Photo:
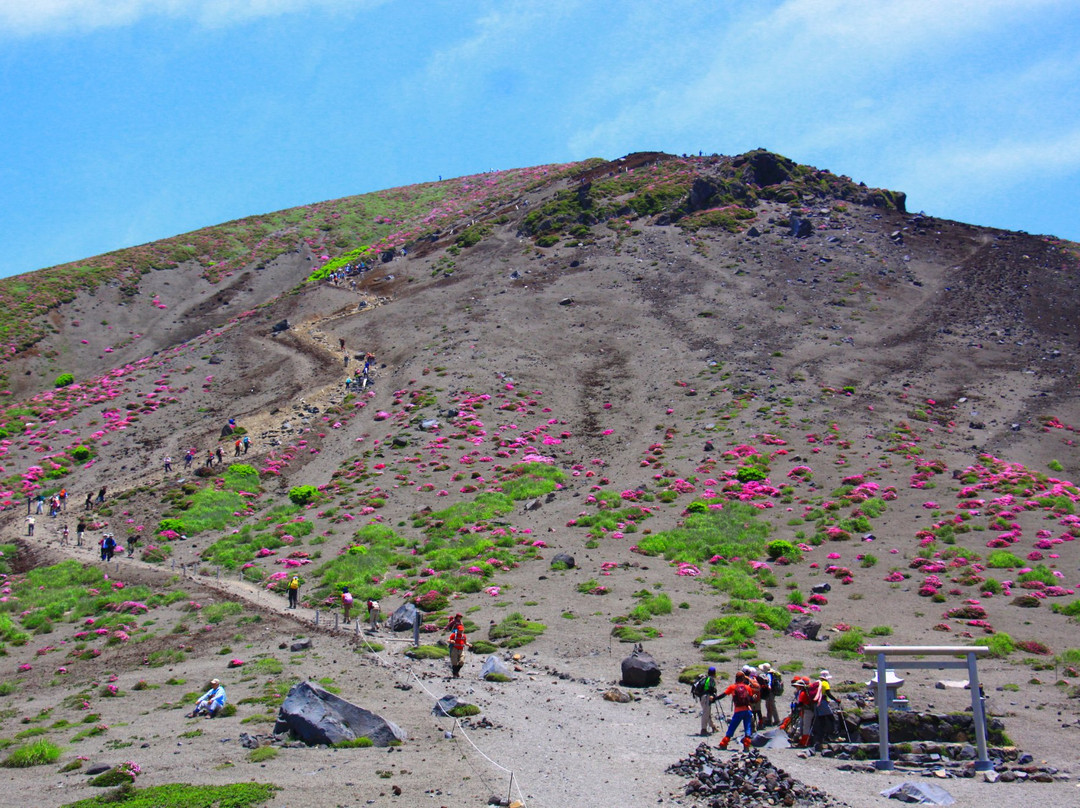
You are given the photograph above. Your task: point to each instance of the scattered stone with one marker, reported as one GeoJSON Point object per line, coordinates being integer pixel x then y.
{"type": "Point", "coordinates": [566, 301]}
{"type": "Point", "coordinates": [316, 716]}
{"type": "Point", "coordinates": [743, 780]}
{"type": "Point", "coordinates": [97, 768]}
{"type": "Point", "coordinates": [616, 695]}
{"type": "Point", "coordinates": [300, 645]}
{"type": "Point", "coordinates": [281, 325]}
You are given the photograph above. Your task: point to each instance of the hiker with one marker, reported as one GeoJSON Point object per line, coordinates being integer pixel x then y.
{"type": "Point", "coordinates": [755, 690]}
{"type": "Point", "coordinates": [374, 613]}
{"type": "Point", "coordinates": [346, 601]}
{"type": "Point", "coordinates": [824, 720]}
{"type": "Point", "coordinates": [237, 446]}
{"type": "Point", "coordinates": [458, 643]}
{"type": "Point", "coordinates": [108, 547]}
{"type": "Point", "coordinates": [188, 457]}
{"type": "Point", "coordinates": [211, 702]}
{"type": "Point", "coordinates": [64, 533]}
{"type": "Point", "coordinates": [741, 696]}
{"type": "Point", "coordinates": [89, 502]}
{"type": "Point", "coordinates": [220, 456]}
{"type": "Point", "coordinates": [168, 464]}
{"type": "Point", "coordinates": [209, 458]}
{"type": "Point", "coordinates": [63, 499]}
{"type": "Point", "coordinates": [247, 443]}
{"type": "Point", "coordinates": [773, 687]}
{"type": "Point", "coordinates": [294, 591]}
{"type": "Point", "coordinates": [80, 531]}
{"type": "Point", "coordinates": [40, 503]}
{"type": "Point", "coordinates": [30, 525]}
{"type": "Point", "coordinates": [101, 494]}
{"type": "Point", "coordinates": [133, 543]}
{"type": "Point", "coordinates": [704, 690]}
{"type": "Point", "coordinates": [809, 695]}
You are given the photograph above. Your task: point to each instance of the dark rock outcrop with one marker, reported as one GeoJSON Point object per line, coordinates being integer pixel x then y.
{"type": "Point", "coordinates": [316, 716]}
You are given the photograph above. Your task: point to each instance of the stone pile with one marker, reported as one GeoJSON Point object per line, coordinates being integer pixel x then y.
{"type": "Point", "coordinates": [737, 781]}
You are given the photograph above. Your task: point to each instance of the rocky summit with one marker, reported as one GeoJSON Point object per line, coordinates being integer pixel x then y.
{"type": "Point", "coordinates": [719, 410]}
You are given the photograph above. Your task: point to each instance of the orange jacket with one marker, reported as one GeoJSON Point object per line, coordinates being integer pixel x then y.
{"type": "Point", "coordinates": [457, 637]}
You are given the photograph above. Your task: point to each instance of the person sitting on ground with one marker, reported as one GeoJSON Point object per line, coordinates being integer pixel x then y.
{"type": "Point", "coordinates": [211, 702]}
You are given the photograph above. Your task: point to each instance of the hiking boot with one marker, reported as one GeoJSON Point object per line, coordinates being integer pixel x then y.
{"type": "Point", "coordinates": [746, 744]}
{"type": "Point", "coordinates": [724, 742]}
{"type": "Point", "coordinates": [804, 741]}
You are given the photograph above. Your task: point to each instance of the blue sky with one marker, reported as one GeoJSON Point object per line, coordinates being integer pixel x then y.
{"type": "Point", "coordinates": [125, 121]}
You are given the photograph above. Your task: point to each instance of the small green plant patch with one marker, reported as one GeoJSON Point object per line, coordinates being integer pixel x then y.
{"type": "Point", "coordinates": [428, 652]}
{"type": "Point", "coordinates": [362, 742]}
{"type": "Point", "coordinates": [515, 631]}
{"type": "Point", "coordinates": [262, 753]}
{"type": "Point", "coordinates": [181, 795]}
{"type": "Point", "coordinates": [38, 753]}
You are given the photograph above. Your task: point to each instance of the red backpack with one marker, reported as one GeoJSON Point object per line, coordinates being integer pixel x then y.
{"type": "Point", "coordinates": [741, 696]}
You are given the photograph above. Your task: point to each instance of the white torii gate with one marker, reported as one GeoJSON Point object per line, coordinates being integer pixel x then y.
{"type": "Point", "coordinates": [882, 652]}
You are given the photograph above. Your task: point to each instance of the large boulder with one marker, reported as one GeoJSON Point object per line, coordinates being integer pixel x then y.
{"type": "Point", "coordinates": [640, 669]}
{"type": "Point", "coordinates": [316, 716]}
{"type": "Point", "coordinates": [805, 625]}
{"type": "Point", "coordinates": [403, 618]}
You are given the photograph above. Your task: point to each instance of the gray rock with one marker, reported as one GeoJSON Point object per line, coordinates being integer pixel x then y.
{"type": "Point", "coordinates": [564, 558]}
{"type": "Point", "coordinates": [301, 645]}
{"type": "Point", "coordinates": [317, 716]}
{"type": "Point", "coordinates": [922, 793]}
{"type": "Point", "coordinates": [281, 325]}
{"type": "Point", "coordinates": [97, 768]}
{"type": "Point", "coordinates": [403, 617]}
{"type": "Point", "coordinates": [640, 669]}
{"type": "Point", "coordinates": [805, 625]}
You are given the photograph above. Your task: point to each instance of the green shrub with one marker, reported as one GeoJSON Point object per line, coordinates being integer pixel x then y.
{"type": "Point", "coordinates": [880, 631]}
{"type": "Point", "coordinates": [63, 380]}
{"type": "Point", "coordinates": [847, 643]}
{"type": "Point", "coordinates": [1068, 609]}
{"type": "Point", "coordinates": [1000, 644]}
{"type": "Point", "coordinates": [80, 454]}
{"type": "Point", "coordinates": [783, 549]}
{"type": "Point", "coordinates": [37, 753]}
{"type": "Point", "coordinates": [302, 494]}
{"type": "Point", "coordinates": [1003, 559]}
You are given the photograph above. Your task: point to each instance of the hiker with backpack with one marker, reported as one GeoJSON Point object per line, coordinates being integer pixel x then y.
{"type": "Point", "coordinates": [824, 720]}
{"type": "Point", "coordinates": [741, 698]}
{"type": "Point", "coordinates": [755, 693]}
{"type": "Point", "coordinates": [772, 687]}
{"type": "Point", "coordinates": [704, 690]}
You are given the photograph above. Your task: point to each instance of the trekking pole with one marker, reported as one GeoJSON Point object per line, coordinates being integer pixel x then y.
{"type": "Point", "coordinates": [843, 720]}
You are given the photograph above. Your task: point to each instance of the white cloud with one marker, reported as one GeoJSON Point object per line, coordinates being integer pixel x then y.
{"type": "Point", "coordinates": [29, 17]}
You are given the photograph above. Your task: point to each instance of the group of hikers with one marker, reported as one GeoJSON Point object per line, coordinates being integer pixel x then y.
{"type": "Point", "coordinates": [753, 698]}
{"type": "Point", "coordinates": [457, 641]}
